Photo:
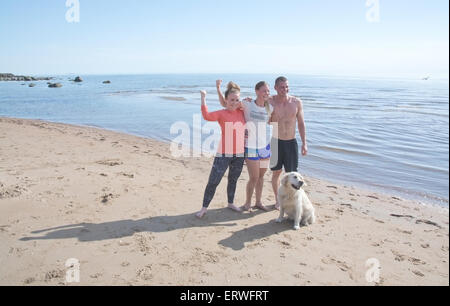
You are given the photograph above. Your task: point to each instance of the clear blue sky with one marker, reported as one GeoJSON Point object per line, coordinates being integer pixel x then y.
{"type": "Point", "coordinates": [234, 36]}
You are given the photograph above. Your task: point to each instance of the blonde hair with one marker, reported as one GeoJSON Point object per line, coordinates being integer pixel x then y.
{"type": "Point", "coordinates": [232, 88]}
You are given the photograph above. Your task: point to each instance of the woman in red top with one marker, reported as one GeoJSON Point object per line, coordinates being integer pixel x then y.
{"type": "Point", "coordinates": [231, 149]}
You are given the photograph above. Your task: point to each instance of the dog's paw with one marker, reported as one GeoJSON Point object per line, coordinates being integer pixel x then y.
{"type": "Point", "coordinates": [296, 227]}
{"type": "Point", "coordinates": [279, 220]}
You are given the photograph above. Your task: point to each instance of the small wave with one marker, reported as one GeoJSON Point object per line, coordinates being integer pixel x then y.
{"type": "Point", "coordinates": [124, 92]}
{"type": "Point", "coordinates": [312, 106]}
{"type": "Point", "coordinates": [345, 151]}
{"type": "Point", "coordinates": [173, 98]}
{"type": "Point", "coordinates": [414, 194]}
{"type": "Point", "coordinates": [187, 86]}
{"type": "Point", "coordinates": [417, 110]}
{"type": "Point", "coordinates": [425, 167]}
{"type": "Point", "coordinates": [390, 90]}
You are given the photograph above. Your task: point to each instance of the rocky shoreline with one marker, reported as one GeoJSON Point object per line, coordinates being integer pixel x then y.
{"type": "Point", "coordinates": [12, 77]}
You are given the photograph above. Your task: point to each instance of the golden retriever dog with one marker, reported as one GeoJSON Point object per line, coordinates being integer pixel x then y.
{"type": "Point", "coordinates": [294, 201]}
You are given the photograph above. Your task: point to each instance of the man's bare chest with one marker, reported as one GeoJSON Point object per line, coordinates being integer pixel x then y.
{"type": "Point", "coordinates": [285, 111]}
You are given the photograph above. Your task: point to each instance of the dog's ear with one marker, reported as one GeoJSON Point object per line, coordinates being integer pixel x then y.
{"type": "Point", "coordinates": [285, 180]}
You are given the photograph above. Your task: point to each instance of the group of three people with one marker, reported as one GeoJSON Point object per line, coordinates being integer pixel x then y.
{"type": "Point", "coordinates": [260, 132]}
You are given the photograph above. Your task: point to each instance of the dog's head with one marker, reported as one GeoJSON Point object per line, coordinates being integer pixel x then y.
{"type": "Point", "coordinates": [294, 180]}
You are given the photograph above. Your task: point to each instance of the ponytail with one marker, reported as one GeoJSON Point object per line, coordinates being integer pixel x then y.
{"type": "Point", "coordinates": [232, 88]}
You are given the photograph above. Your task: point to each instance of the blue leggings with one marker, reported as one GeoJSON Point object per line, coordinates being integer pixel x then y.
{"type": "Point", "coordinates": [221, 164]}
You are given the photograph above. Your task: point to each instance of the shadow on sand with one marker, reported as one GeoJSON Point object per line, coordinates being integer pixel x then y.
{"type": "Point", "coordinates": [87, 232]}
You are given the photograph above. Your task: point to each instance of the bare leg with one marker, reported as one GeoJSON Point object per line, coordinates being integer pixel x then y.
{"type": "Point", "coordinates": [275, 185]}
{"type": "Point", "coordinates": [259, 188]}
{"type": "Point", "coordinates": [253, 172]}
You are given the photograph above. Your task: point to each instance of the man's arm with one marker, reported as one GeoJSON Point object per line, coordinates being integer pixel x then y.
{"type": "Point", "coordinates": [302, 126]}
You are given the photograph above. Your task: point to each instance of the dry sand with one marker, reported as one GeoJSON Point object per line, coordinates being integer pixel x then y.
{"type": "Point", "coordinates": [124, 207]}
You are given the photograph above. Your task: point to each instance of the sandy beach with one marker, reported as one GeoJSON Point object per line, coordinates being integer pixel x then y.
{"type": "Point", "coordinates": [124, 207]}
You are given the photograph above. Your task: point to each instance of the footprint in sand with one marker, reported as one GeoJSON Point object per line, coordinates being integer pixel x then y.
{"type": "Point", "coordinates": [29, 280]}
{"type": "Point", "coordinates": [145, 273]}
{"type": "Point", "coordinates": [422, 221]}
{"type": "Point", "coordinates": [418, 273]}
{"type": "Point", "coordinates": [404, 232]}
{"type": "Point", "coordinates": [11, 192]}
{"type": "Point", "coordinates": [398, 257]}
{"type": "Point", "coordinates": [143, 242]}
{"type": "Point", "coordinates": [342, 265]}
{"type": "Point", "coordinates": [110, 162]}
{"type": "Point", "coordinates": [96, 275]}
{"type": "Point", "coordinates": [4, 228]}
{"type": "Point", "coordinates": [54, 274]}
{"type": "Point", "coordinates": [285, 244]}
{"type": "Point", "coordinates": [402, 216]}
{"type": "Point", "coordinates": [107, 198]}
{"type": "Point", "coordinates": [131, 176]}
{"type": "Point", "coordinates": [417, 261]}
{"type": "Point", "coordinates": [340, 211]}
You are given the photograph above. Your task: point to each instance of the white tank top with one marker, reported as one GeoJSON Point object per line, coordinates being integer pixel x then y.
{"type": "Point", "coordinates": [259, 131]}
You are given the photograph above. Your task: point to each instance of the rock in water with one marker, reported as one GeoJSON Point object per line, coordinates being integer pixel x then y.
{"type": "Point", "coordinates": [78, 79]}
{"type": "Point", "coordinates": [31, 85]}
{"type": "Point", "coordinates": [55, 85]}
{"type": "Point", "coordinates": [107, 82]}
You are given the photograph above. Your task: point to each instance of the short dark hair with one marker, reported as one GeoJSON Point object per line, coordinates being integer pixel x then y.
{"type": "Point", "coordinates": [280, 80]}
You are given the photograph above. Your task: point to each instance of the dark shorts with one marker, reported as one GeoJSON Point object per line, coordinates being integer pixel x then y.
{"type": "Point", "coordinates": [284, 153]}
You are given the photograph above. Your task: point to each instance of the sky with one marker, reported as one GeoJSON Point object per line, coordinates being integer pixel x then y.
{"type": "Point", "coordinates": [320, 37]}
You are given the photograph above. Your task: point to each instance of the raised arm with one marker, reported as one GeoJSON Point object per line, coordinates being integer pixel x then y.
{"type": "Point", "coordinates": [302, 126]}
{"type": "Point", "coordinates": [207, 115]}
{"type": "Point", "coordinates": [219, 92]}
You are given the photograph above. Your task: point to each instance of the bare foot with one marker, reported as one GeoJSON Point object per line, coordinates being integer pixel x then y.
{"type": "Point", "coordinates": [201, 213]}
{"type": "Point", "coordinates": [246, 207]}
{"type": "Point", "coordinates": [260, 206]}
{"type": "Point", "coordinates": [234, 207]}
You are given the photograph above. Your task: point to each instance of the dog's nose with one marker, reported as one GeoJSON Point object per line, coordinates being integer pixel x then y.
{"type": "Point", "coordinates": [301, 184]}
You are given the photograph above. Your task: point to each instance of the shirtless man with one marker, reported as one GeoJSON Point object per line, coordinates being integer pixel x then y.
{"type": "Point", "coordinates": [288, 111]}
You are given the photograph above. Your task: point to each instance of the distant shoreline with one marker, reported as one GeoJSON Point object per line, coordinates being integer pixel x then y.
{"type": "Point", "coordinates": [262, 74]}
{"type": "Point", "coordinates": [9, 77]}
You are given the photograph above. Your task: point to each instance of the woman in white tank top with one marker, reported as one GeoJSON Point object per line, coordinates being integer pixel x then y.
{"type": "Point", "coordinates": [257, 144]}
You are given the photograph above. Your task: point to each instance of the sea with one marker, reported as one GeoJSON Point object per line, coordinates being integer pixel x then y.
{"type": "Point", "coordinates": [388, 135]}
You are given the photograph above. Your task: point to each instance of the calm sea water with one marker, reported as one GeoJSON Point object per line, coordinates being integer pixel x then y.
{"type": "Point", "coordinates": [389, 135]}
